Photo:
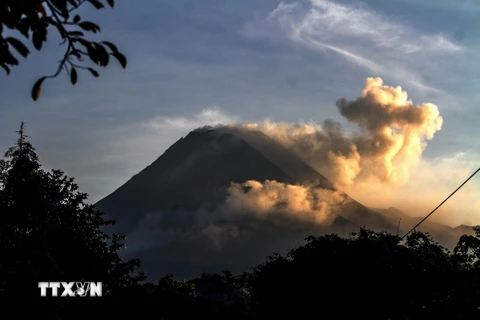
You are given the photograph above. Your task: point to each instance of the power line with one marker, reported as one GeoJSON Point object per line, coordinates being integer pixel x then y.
{"type": "Point", "coordinates": [441, 204]}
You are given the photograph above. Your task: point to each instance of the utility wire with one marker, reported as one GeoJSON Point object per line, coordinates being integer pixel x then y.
{"type": "Point", "coordinates": [440, 204]}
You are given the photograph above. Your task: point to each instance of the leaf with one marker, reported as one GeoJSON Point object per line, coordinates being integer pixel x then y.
{"type": "Point", "coordinates": [103, 57]}
{"type": "Point", "coordinates": [97, 4]}
{"type": "Point", "coordinates": [93, 72]}
{"type": "Point", "coordinates": [73, 76]}
{"type": "Point", "coordinates": [19, 46]}
{"type": "Point", "coordinates": [111, 3]}
{"type": "Point", "coordinates": [112, 47]}
{"type": "Point", "coordinates": [121, 59]}
{"type": "Point", "coordinates": [83, 42]}
{"type": "Point", "coordinates": [89, 26]}
{"type": "Point", "coordinates": [98, 54]}
{"type": "Point", "coordinates": [37, 40]}
{"type": "Point", "coordinates": [8, 58]}
{"type": "Point", "coordinates": [76, 19]}
{"type": "Point", "coordinates": [92, 53]}
{"type": "Point", "coordinates": [7, 69]}
{"type": "Point", "coordinates": [36, 89]}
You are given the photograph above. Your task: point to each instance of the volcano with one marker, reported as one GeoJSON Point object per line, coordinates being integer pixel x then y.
{"type": "Point", "coordinates": [174, 215]}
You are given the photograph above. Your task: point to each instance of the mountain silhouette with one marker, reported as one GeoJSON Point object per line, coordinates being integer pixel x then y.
{"type": "Point", "coordinates": [174, 215]}
{"type": "Point", "coordinates": [193, 173]}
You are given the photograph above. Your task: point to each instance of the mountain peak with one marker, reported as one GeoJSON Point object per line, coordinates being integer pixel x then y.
{"type": "Point", "coordinates": [175, 215]}
{"type": "Point", "coordinates": [194, 172]}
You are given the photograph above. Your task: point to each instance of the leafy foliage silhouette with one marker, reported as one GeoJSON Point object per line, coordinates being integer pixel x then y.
{"type": "Point", "coordinates": [372, 275]}
{"type": "Point", "coordinates": [35, 18]}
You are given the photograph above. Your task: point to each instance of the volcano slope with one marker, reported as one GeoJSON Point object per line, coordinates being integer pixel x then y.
{"type": "Point", "coordinates": [222, 198]}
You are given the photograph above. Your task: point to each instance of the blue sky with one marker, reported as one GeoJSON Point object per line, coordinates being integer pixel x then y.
{"type": "Point", "coordinates": [196, 62]}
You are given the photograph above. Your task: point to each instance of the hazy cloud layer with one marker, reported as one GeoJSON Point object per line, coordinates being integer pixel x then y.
{"type": "Point", "coordinates": [431, 181]}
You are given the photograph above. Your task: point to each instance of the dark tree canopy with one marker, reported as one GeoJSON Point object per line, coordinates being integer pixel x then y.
{"type": "Point", "coordinates": [34, 19]}
{"type": "Point", "coordinates": [369, 275]}
{"type": "Point", "coordinates": [48, 233]}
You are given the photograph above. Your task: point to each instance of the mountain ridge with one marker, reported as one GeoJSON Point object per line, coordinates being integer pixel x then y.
{"type": "Point", "coordinates": [141, 193]}
{"type": "Point", "coordinates": [174, 209]}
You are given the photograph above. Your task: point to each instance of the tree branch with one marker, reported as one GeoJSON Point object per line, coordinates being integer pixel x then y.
{"type": "Point", "coordinates": [64, 34]}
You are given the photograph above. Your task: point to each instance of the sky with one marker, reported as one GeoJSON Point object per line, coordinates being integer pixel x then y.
{"type": "Point", "coordinates": [193, 63]}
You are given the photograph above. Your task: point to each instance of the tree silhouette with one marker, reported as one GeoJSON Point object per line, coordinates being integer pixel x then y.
{"type": "Point", "coordinates": [48, 233]}
{"type": "Point", "coordinates": [371, 275]}
{"type": "Point", "coordinates": [34, 19]}
{"type": "Point", "coordinates": [174, 299]}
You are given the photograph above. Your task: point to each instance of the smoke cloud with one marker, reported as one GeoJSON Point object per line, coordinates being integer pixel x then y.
{"type": "Point", "coordinates": [392, 137]}
{"type": "Point", "coordinates": [381, 164]}
{"type": "Point", "coordinates": [270, 198]}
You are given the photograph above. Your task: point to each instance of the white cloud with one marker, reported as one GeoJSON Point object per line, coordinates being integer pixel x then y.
{"type": "Point", "coordinates": [333, 22]}
{"type": "Point", "coordinates": [380, 44]}
{"type": "Point", "coordinates": [210, 116]}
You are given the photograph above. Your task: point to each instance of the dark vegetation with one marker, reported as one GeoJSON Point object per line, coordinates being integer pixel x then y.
{"type": "Point", "coordinates": [37, 20]}
{"type": "Point", "coordinates": [48, 233]}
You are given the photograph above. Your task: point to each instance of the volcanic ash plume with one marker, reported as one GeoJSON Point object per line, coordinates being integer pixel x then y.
{"type": "Point", "coordinates": [390, 142]}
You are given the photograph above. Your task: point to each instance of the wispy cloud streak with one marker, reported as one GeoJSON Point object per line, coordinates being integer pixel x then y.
{"type": "Point", "coordinates": [376, 42]}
